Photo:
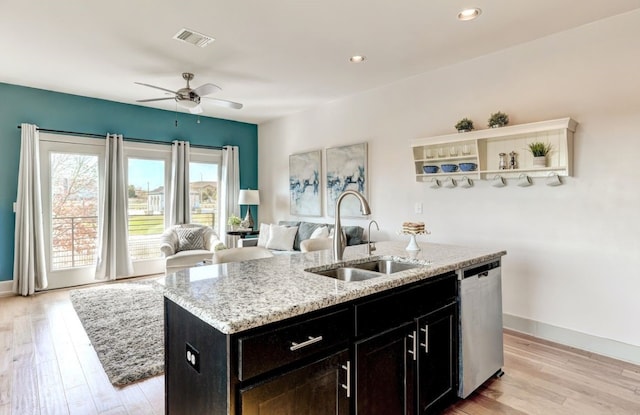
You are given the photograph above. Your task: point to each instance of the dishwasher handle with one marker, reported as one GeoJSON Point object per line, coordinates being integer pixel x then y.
{"type": "Point", "coordinates": [481, 269]}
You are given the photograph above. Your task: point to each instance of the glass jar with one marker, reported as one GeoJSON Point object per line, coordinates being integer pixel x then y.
{"type": "Point", "coordinates": [503, 164]}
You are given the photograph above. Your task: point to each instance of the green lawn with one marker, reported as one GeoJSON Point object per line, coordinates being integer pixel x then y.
{"type": "Point", "coordinates": [154, 224]}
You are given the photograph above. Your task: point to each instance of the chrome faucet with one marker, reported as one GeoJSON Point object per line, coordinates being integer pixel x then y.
{"type": "Point", "coordinates": [339, 240]}
{"type": "Point", "coordinates": [370, 247]}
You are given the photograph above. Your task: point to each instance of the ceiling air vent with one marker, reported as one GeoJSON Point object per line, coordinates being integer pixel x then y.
{"type": "Point", "coordinates": [195, 38]}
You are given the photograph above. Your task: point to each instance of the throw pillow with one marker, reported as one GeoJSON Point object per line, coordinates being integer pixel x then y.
{"type": "Point", "coordinates": [281, 237]}
{"type": "Point", "coordinates": [263, 238]}
{"type": "Point", "coordinates": [190, 239]}
{"type": "Point", "coordinates": [321, 232]}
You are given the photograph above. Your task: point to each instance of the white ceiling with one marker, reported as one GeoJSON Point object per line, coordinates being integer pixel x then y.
{"type": "Point", "coordinates": [274, 56]}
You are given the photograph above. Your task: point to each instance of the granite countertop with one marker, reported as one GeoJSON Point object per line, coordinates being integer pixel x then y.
{"type": "Point", "coordinates": [239, 296]}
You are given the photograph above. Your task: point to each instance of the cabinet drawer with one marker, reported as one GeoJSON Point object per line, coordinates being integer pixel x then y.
{"type": "Point", "coordinates": [261, 352]}
{"type": "Point", "coordinates": [391, 310]}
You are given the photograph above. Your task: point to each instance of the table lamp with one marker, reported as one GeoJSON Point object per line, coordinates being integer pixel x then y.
{"type": "Point", "coordinates": [249, 197]}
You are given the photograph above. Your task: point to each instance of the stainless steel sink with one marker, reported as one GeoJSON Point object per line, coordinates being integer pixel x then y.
{"type": "Point", "coordinates": [385, 266]}
{"type": "Point", "coordinates": [365, 270]}
{"type": "Point", "coordinates": [349, 274]}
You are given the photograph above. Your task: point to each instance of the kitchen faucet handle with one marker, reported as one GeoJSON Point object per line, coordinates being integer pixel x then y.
{"type": "Point", "coordinates": [371, 245]}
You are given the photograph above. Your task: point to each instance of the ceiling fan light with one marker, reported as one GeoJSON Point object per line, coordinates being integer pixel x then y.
{"type": "Point", "coordinates": [187, 103]}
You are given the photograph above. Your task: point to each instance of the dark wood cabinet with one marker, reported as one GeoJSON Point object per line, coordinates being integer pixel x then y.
{"type": "Point", "coordinates": [410, 366]}
{"type": "Point", "coordinates": [392, 353]}
{"type": "Point", "coordinates": [383, 364]}
{"type": "Point", "coordinates": [437, 359]}
{"type": "Point", "coordinates": [319, 388]}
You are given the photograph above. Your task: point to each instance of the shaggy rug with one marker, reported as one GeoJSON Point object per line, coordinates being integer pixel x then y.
{"type": "Point", "coordinates": [124, 322]}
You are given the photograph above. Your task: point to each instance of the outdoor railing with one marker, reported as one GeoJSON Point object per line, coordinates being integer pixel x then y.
{"type": "Point", "coordinates": [74, 238]}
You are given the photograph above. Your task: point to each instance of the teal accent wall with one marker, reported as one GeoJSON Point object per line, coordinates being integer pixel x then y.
{"type": "Point", "coordinates": [56, 111]}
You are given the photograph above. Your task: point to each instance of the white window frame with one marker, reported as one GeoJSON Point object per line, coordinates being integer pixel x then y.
{"type": "Point", "coordinates": [54, 143]}
{"type": "Point", "coordinates": [149, 151]}
{"type": "Point", "coordinates": [211, 156]}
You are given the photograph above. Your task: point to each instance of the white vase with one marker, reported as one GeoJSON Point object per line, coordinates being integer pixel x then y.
{"type": "Point", "coordinates": [540, 161]}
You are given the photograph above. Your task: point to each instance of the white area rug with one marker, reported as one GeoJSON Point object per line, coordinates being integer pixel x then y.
{"type": "Point", "coordinates": [124, 322]}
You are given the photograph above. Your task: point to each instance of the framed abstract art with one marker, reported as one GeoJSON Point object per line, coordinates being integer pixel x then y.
{"type": "Point", "coordinates": [346, 169]}
{"type": "Point", "coordinates": [305, 186]}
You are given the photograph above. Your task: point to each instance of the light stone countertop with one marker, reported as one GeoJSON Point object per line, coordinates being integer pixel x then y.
{"type": "Point", "coordinates": [238, 296]}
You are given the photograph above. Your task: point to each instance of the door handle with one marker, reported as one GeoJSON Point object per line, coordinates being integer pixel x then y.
{"type": "Point", "coordinates": [483, 274]}
{"type": "Point", "coordinates": [295, 346]}
{"type": "Point", "coordinates": [347, 386]}
{"type": "Point", "coordinates": [413, 345]}
{"type": "Point", "coordinates": [425, 330]}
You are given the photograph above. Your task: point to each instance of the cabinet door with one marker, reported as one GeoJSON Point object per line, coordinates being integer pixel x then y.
{"type": "Point", "coordinates": [437, 368]}
{"type": "Point", "coordinates": [315, 389]}
{"type": "Point", "coordinates": [385, 370]}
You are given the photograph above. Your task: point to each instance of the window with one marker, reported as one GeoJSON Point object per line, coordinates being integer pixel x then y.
{"type": "Point", "coordinates": [203, 192]}
{"type": "Point", "coordinates": [74, 209]}
{"type": "Point", "coordinates": [71, 169]}
{"type": "Point", "coordinates": [204, 179]}
{"type": "Point", "coordinates": [146, 207]}
{"type": "Point", "coordinates": [148, 177]}
{"type": "Point", "coordinates": [72, 174]}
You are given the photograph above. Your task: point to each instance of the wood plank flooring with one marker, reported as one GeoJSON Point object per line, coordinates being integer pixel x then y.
{"type": "Point", "coordinates": [47, 366]}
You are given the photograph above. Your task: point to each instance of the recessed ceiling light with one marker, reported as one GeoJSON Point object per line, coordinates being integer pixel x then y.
{"type": "Point", "coordinates": [357, 58]}
{"type": "Point", "coordinates": [469, 14]}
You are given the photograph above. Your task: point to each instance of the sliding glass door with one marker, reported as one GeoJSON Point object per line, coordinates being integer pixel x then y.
{"type": "Point", "coordinates": [71, 169]}
{"type": "Point", "coordinates": [148, 167]}
{"type": "Point", "coordinates": [204, 179]}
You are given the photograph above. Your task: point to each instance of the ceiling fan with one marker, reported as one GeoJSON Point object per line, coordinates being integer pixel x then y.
{"type": "Point", "coordinates": [190, 98]}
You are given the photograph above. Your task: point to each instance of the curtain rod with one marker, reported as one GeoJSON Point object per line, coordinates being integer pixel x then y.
{"type": "Point", "coordinates": [131, 139]}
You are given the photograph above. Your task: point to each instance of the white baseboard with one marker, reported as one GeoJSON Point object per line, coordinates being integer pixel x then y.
{"type": "Point", "coordinates": [6, 288]}
{"type": "Point", "coordinates": [606, 347]}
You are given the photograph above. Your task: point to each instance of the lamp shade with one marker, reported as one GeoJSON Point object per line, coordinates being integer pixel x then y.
{"type": "Point", "coordinates": [249, 197]}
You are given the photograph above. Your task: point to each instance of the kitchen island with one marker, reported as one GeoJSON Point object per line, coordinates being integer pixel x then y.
{"type": "Point", "coordinates": [268, 337]}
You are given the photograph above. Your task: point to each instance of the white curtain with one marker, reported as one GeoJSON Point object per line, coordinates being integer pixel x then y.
{"type": "Point", "coordinates": [113, 245]}
{"type": "Point", "coordinates": [29, 265]}
{"type": "Point", "coordinates": [229, 189]}
{"type": "Point", "coordinates": [179, 203]}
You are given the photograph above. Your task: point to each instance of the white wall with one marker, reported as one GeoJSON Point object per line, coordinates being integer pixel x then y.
{"type": "Point", "coordinates": [573, 251]}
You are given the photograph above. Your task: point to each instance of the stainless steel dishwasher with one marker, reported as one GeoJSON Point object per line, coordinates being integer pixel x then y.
{"type": "Point", "coordinates": [480, 340]}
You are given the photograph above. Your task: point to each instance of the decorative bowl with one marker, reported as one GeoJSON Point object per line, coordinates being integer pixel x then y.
{"type": "Point", "coordinates": [430, 169]}
{"type": "Point", "coordinates": [468, 166]}
{"type": "Point", "coordinates": [449, 168]}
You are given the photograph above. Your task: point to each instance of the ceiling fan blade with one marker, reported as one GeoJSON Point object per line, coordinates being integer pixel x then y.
{"type": "Point", "coordinates": [156, 87]}
{"type": "Point", "coordinates": [225, 103]}
{"type": "Point", "coordinates": [207, 89]}
{"type": "Point", "coordinates": [196, 110]}
{"type": "Point", "coordinates": [154, 99]}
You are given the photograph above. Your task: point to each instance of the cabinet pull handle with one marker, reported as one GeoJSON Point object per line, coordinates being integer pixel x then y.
{"type": "Point", "coordinates": [425, 330]}
{"type": "Point", "coordinates": [295, 346]}
{"type": "Point", "coordinates": [413, 345]}
{"type": "Point", "coordinates": [347, 386]}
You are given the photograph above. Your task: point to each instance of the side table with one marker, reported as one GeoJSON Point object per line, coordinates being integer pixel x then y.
{"type": "Point", "coordinates": [243, 234]}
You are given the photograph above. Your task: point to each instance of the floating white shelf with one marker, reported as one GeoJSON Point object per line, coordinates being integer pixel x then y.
{"type": "Point", "coordinates": [486, 145]}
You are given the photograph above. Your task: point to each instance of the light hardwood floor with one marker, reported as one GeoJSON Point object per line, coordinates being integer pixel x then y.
{"type": "Point", "coordinates": [47, 366]}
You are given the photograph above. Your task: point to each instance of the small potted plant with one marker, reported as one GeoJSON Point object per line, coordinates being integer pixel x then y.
{"type": "Point", "coordinates": [498, 119]}
{"type": "Point", "coordinates": [539, 150]}
{"type": "Point", "coordinates": [234, 221]}
{"type": "Point", "coordinates": [464, 125]}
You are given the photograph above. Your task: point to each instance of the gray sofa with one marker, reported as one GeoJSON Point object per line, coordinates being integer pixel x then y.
{"type": "Point", "coordinates": [354, 234]}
